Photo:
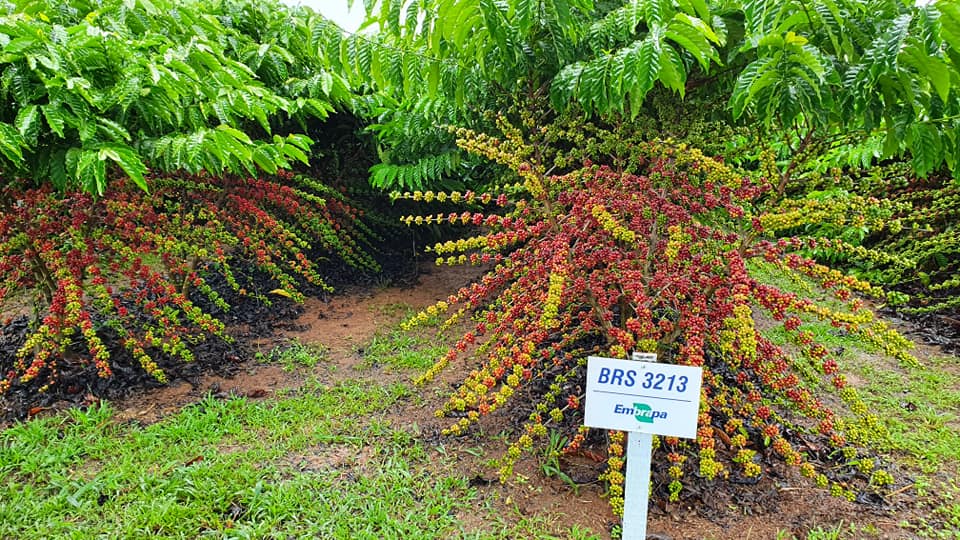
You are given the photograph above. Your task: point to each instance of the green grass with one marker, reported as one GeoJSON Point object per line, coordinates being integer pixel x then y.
{"type": "Point", "coordinates": [402, 350]}
{"type": "Point", "coordinates": [220, 468]}
{"type": "Point", "coordinates": [318, 462]}
{"type": "Point", "coordinates": [944, 519]}
{"type": "Point", "coordinates": [920, 407]}
{"type": "Point", "coordinates": [295, 355]}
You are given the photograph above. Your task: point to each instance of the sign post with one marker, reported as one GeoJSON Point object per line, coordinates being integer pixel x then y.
{"type": "Point", "coordinates": [644, 399]}
{"type": "Point", "coordinates": [636, 483]}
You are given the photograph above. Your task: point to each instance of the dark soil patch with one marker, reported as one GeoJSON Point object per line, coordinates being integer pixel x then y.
{"type": "Point", "coordinates": [250, 323]}
{"type": "Point", "coordinates": [938, 329]}
{"type": "Point", "coordinates": [81, 385]}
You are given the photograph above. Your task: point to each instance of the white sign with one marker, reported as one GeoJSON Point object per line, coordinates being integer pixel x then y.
{"type": "Point", "coordinates": [626, 395]}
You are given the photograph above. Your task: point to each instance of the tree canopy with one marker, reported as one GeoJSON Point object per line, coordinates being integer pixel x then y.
{"type": "Point", "coordinates": [215, 86]}
{"type": "Point", "coordinates": [882, 73]}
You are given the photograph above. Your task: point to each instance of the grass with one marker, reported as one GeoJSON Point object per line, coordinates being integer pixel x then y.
{"type": "Point", "coordinates": [395, 348]}
{"type": "Point", "coordinates": [221, 469]}
{"type": "Point", "coordinates": [920, 407]}
{"type": "Point", "coordinates": [295, 355]}
{"type": "Point", "coordinates": [402, 350]}
{"type": "Point", "coordinates": [321, 461]}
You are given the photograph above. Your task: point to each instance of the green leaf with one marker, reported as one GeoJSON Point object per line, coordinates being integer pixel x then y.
{"type": "Point", "coordinates": [673, 73]}
{"type": "Point", "coordinates": [701, 9]}
{"type": "Point", "coordinates": [891, 143]}
{"type": "Point", "coordinates": [235, 133]}
{"type": "Point", "coordinates": [433, 79]}
{"type": "Point", "coordinates": [58, 170]}
{"type": "Point", "coordinates": [264, 160]}
{"type": "Point", "coordinates": [694, 41]}
{"type": "Point", "coordinates": [739, 100]}
{"type": "Point", "coordinates": [300, 141]}
{"type": "Point", "coordinates": [525, 12]}
{"type": "Point", "coordinates": [91, 172]}
{"type": "Point", "coordinates": [113, 130]}
{"type": "Point", "coordinates": [28, 124]}
{"type": "Point", "coordinates": [127, 159]}
{"type": "Point", "coordinates": [655, 12]}
{"type": "Point", "coordinates": [11, 143]}
{"type": "Point", "coordinates": [230, 146]}
{"type": "Point", "coordinates": [564, 85]}
{"type": "Point", "coordinates": [950, 22]}
{"type": "Point", "coordinates": [643, 68]}
{"type": "Point", "coordinates": [54, 116]}
{"type": "Point", "coordinates": [925, 147]}
{"type": "Point", "coordinates": [292, 151]}
{"type": "Point", "coordinates": [939, 74]}
{"type": "Point", "coordinates": [698, 24]}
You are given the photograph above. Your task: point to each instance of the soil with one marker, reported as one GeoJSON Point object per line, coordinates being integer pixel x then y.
{"type": "Point", "coordinates": [339, 324]}
{"type": "Point", "coordinates": [342, 324]}
{"type": "Point", "coordinates": [937, 329]}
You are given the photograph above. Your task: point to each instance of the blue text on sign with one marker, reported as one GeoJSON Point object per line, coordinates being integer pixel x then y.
{"type": "Point", "coordinates": [649, 381]}
{"type": "Point", "coordinates": [617, 377]}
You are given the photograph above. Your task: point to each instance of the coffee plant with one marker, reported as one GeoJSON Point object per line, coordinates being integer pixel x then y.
{"type": "Point", "coordinates": [170, 85]}
{"type": "Point", "coordinates": [881, 75]}
{"type": "Point", "coordinates": [650, 254]}
{"type": "Point", "coordinates": [930, 239]}
{"type": "Point", "coordinates": [179, 104]}
{"type": "Point", "coordinates": [129, 262]}
{"type": "Point", "coordinates": [900, 233]}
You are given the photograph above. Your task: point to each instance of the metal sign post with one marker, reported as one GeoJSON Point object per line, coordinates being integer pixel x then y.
{"type": "Point", "coordinates": [642, 398]}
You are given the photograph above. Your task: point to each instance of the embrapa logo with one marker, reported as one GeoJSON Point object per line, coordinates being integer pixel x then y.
{"type": "Point", "coordinates": [644, 413]}
{"type": "Point", "coordinates": [641, 411]}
